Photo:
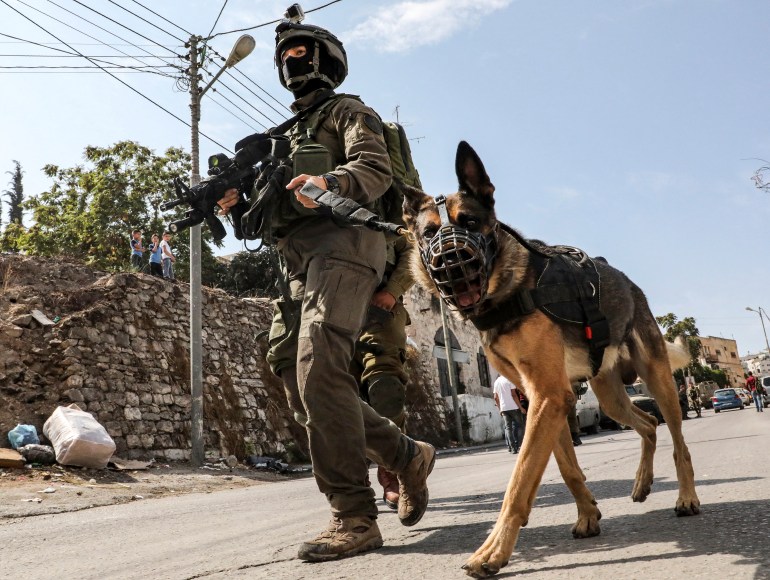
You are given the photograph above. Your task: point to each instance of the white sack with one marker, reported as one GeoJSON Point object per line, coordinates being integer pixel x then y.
{"type": "Point", "coordinates": [78, 438]}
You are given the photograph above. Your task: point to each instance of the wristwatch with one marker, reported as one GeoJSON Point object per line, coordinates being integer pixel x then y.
{"type": "Point", "coordinates": [332, 183]}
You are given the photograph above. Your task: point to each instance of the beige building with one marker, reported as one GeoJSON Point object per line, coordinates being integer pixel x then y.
{"type": "Point", "coordinates": [475, 375]}
{"type": "Point", "coordinates": [722, 353]}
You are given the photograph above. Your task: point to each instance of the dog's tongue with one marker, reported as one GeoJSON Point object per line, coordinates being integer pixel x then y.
{"type": "Point", "coordinates": [468, 299]}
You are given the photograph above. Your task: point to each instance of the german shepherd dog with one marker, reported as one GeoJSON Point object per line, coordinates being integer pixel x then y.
{"type": "Point", "coordinates": [545, 356]}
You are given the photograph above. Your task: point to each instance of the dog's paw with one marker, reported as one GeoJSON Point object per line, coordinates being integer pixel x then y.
{"type": "Point", "coordinates": [587, 526]}
{"type": "Point", "coordinates": [687, 507]}
{"type": "Point", "coordinates": [641, 491]}
{"type": "Point", "coordinates": [477, 568]}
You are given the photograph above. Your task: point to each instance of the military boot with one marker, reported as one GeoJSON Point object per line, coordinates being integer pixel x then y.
{"type": "Point", "coordinates": [346, 536]}
{"type": "Point", "coordinates": [413, 484]}
{"type": "Point", "coordinates": [389, 483]}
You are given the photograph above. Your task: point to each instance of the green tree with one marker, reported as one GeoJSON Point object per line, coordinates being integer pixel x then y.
{"type": "Point", "coordinates": [91, 209]}
{"type": "Point", "coordinates": [15, 195]}
{"type": "Point", "coordinates": [250, 274]}
{"type": "Point", "coordinates": [685, 328]}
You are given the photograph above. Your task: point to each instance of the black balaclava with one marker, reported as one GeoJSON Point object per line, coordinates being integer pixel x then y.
{"type": "Point", "coordinates": [304, 65]}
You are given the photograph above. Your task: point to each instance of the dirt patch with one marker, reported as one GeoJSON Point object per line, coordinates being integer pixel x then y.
{"type": "Point", "coordinates": [78, 488]}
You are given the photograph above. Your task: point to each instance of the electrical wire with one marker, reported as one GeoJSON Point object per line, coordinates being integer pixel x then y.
{"type": "Point", "coordinates": [237, 94]}
{"type": "Point", "coordinates": [260, 98]}
{"type": "Point", "coordinates": [221, 106]}
{"type": "Point", "coordinates": [122, 25]}
{"type": "Point", "coordinates": [147, 21]}
{"type": "Point", "coordinates": [269, 23]}
{"type": "Point", "coordinates": [218, 17]}
{"type": "Point", "coordinates": [112, 75]}
{"type": "Point", "coordinates": [97, 26]}
{"type": "Point", "coordinates": [187, 32]}
{"type": "Point", "coordinates": [239, 108]}
{"type": "Point", "coordinates": [76, 55]}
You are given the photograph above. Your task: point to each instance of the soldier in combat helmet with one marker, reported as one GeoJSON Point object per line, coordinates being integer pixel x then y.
{"type": "Point", "coordinates": [333, 270]}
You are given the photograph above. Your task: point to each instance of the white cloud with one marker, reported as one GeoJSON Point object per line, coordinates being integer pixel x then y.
{"type": "Point", "coordinates": [408, 25]}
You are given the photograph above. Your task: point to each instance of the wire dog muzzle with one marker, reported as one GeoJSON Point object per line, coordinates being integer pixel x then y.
{"type": "Point", "coordinates": [459, 262]}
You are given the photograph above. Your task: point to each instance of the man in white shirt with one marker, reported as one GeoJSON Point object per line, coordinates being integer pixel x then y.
{"type": "Point", "coordinates": [507, 400]}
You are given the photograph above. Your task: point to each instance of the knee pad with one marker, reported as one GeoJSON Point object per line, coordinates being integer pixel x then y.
{"type": "Point", "coordinates": [387, 396]}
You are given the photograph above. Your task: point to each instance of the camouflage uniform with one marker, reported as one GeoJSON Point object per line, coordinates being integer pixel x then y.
{"type": "Point", "coordinates": [333, 271]}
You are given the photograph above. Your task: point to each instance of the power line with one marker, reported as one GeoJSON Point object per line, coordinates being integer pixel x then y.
{"type": "Point", "coordinates": [222, 84]}
{"type": "Point", "coordinates": [112, 75]}
{"type": "Point", "coordinates": [89, 35]}
{"type": "Point", "coordinates": [221, 106]}
{"type": "Point", "coordinates": [147, 21]}
{"type": "Point", "coordinates": [252, 81]}
{"type": "Point", "coordinates": [218, 17]}
{"type": "Point", "coordinates": [271, 22]}
{"type": "Point", "coordinates": [163, 18]}
{"type": "Point", "coordinates": [77, 55]}
{"type": "Point", "coordinates": [70, 55]}
{"type": "Point", "coordinates": [122, 25]}
{"type": "Point", "coordinates": [239, 108]}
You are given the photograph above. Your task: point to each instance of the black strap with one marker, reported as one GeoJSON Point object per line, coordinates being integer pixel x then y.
{"type": "Point", "coordinates": [288, 123]}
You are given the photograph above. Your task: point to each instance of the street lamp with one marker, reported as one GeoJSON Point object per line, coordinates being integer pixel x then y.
{"type": "Point", "coordinates": [760, 311]}
{"type": "Point", "coordinates": [242, 48]}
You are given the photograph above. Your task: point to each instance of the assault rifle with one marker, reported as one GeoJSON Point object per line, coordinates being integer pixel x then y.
{"type": "Point", "coordinates": [225, 173]}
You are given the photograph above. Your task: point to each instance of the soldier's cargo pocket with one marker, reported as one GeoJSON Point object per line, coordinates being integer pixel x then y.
{"type": "Point", "coordinates": [341, 293]}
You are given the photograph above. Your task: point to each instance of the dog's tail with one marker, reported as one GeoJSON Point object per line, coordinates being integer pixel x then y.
{"type": "Point", "coordinates": [678, 354]}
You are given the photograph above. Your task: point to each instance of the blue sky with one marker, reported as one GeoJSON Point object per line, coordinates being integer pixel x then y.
{"type": "Point", "coordinates": [625, 128]}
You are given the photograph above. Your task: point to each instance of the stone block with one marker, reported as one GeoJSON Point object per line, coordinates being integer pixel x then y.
{"type": "Point", "coordinates": [132, 414]}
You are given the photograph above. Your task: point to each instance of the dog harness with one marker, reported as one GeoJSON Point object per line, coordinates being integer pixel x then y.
{"type": "Point", "coordinates": [568, 290]}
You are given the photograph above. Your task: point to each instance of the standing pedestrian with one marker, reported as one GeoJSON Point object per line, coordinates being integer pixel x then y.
{"type": "Point", "coordinates": [683, 404]}
{"type": "Point", "coordinates": [752, 386]}
{"type": "Point", "coordinates": [333, 270]}
{"type": "Point", "coordinates": [167, 256]}
{"type": "Point", "coordinates": [693, 393]}
{"type": "Point", "coordinates": [572, 420]}
{"type": "Point", "coordinates": [137, 251]}
{"type": "Point", "coordinates": [510, 408]}
{"type": "Point", "coordinates": [156, 269]}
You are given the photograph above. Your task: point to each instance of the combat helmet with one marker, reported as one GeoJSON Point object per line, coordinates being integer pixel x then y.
{"type": "Point", "coordinates": [329, 59]}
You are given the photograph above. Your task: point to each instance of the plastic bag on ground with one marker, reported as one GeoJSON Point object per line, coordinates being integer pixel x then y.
{"type": "Point", "coordinates": [43, 454]}
{"type": "Point", "coordinates": [78, 438]}
{"type": "Point", "coordinates": [23, 435]}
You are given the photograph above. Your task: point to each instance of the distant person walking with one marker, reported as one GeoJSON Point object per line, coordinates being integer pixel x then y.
{"type": "Point", "coordinates": [137, 251]}
{"type": "Point", "coordinates": [683, 404]}
{"type": "Point", "coordinates": [694, 395]}
{"type": "Point", "coordinates": [508, 402]}
{"type": "Point", "coordinates": [156, 267]}
{"type": "Point", "coordinates": [167, 256]}
{"type": "Point", "coordinates": [753, 387]}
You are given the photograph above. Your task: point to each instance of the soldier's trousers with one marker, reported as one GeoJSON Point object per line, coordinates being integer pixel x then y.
{"type": "Point", "coordinates": [332, 288]}
{"type": "Point", "coordinates": [379, 362]}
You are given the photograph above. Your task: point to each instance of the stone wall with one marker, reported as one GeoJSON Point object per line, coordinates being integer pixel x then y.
{"type": "Point", "coordinates": [120, 351]}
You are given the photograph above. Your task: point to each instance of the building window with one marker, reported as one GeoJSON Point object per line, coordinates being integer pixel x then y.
{"type": "Point", "coordinates": [443, 368]}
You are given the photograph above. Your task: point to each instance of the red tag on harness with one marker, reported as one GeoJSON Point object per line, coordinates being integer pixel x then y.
{"type": "Point", "coordinates": [589, 333]}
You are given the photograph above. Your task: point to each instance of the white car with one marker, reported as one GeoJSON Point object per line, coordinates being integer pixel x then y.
{"type": "Point", "coordinates": [587, 408]}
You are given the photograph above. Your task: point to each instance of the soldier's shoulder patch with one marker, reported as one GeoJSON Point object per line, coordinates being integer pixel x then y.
{"type": "Point", "coordinates": [373, 123]}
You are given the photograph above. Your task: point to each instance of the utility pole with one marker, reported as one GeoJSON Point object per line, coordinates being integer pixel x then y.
{"type": "Point", "coordinates": [196, 350]}
{"type": "Point", "coordinates": [452, 374]}
{"type": "Point", "coordinates": [242, 48]}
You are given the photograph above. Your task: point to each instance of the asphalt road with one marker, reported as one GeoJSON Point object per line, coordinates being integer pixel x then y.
{"type": "Point", "coordinates": [255, 532]}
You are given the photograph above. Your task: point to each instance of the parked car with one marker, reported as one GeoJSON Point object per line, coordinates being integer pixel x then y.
{"type": "Point", "coordinates": [745, 396]}
{"type": "Point", "coordinates": [706, 389]}
{"type": "Point", "coordinates": [726, 399]}
{"type": "Point", "coordinates": [588, 412]}
{"type": "Point", "coordinates": [642, 401]}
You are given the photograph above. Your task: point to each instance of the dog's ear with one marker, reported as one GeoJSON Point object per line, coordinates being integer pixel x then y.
{"type": "Point", "coordinates": [471, 174]}
{"type": "Point", "coordinates": [414, 199]}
